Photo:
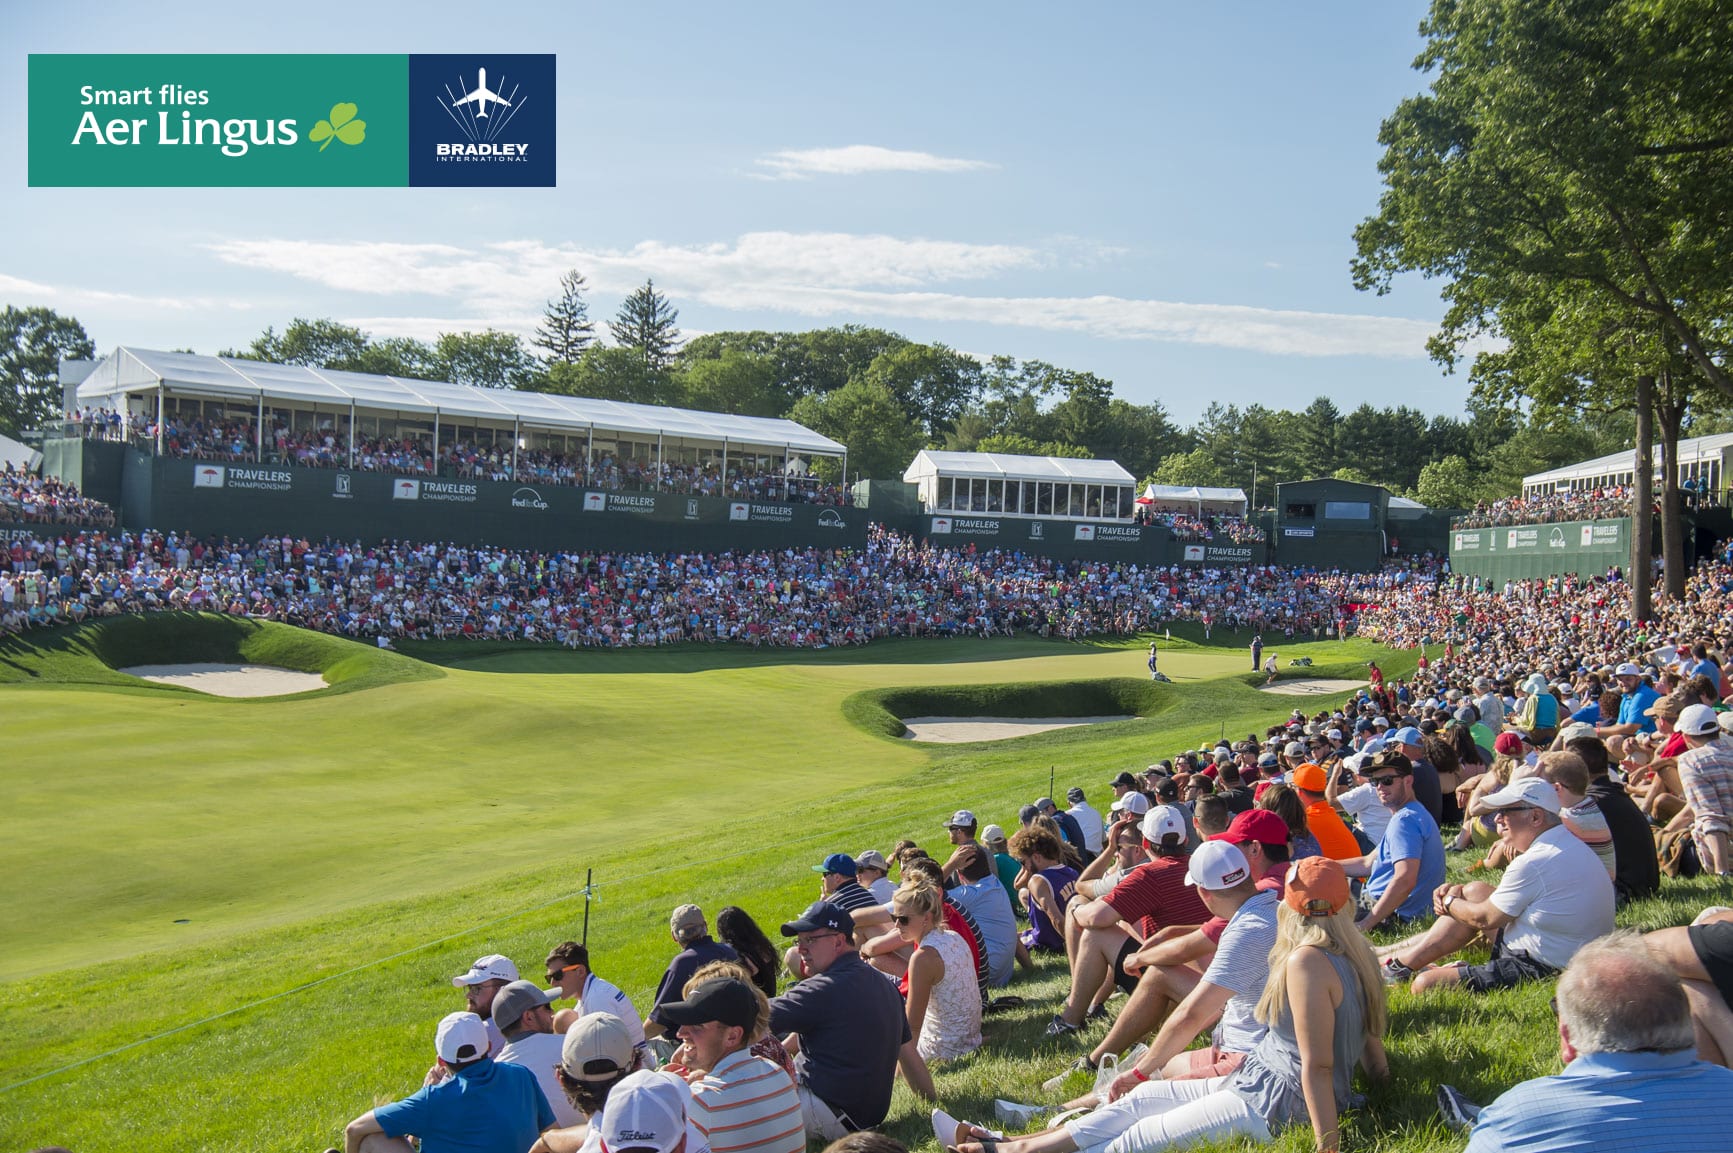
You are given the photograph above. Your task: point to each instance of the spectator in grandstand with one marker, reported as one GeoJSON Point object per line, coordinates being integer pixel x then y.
{"type": "Point", "coordinates": [839, 885]}
{"type": "Point", "coordinates": [961, 828]}
{"type": "Point", "coordinates": [568, 970]}
{"type": "Point", "coordinates": [480, 985]}
{"type": "Point", "coordinates": [736, 929]}
{"type": "Point", "coordinates": [850, 1024]}
{"type": "Point", "coordinates": [1554, 898]}
{"type": "Point", "coordinates": [522, 1013]}
{"type": "Point", "coordinates": [1631, 1082]}
{"type": "Point", "coordinates": [742, 1103]}
{"type": "Point", "coordinates": [480, 1104]}
{"type": "Point", "coordinates": [1408, 864]}
{"type": "Point", "coordinates": [944, 1006]}
{"type": "Point", "coordinates": [692, 933]}
{"type": "Point", "coordinates": [1706, 773]}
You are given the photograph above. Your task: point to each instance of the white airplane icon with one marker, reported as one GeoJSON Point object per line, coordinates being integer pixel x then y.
{"type": "Point", "coordinates": [481, 95]}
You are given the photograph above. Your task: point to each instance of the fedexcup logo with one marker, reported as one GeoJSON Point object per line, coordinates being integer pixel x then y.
{"type": "Point", "coordinates": [527, 498]}
{"type": "Point", "coordinates": [830, 518]}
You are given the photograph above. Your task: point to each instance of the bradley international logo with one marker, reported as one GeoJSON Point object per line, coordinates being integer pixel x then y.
{"type": "Point", "coordinates": [249, 121]}
{"type": "Point", "coordinates": [481, 120]}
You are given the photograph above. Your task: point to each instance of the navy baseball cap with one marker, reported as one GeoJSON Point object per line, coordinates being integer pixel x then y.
{"type": "Point", "coordinates": [837, 863]}
{"type": "Point", "coordinates": [820, 915]}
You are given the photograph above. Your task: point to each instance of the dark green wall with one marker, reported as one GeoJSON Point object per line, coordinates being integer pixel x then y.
{"type": "Point", "coordinates": [1521, 552]}
{"type": "Point", "coordinates": [1084, 540]}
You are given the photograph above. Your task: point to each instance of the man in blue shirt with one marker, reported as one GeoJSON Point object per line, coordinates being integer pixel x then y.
{"type": "Point", "coordinates": [479, 1107]}
{"type": "Point", "coordinates": [1408, 864]}
{"type": "Point", "coordinates": [1632, 1081]}
{"type": "Point", "coordinates": [1638, 696]}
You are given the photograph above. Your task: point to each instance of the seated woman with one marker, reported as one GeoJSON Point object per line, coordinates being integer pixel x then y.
{"type": "Point", "coordinates": [944, 1005]}
{"type": "Point", "coordinates": [1050, 887]}
{"type": "Point", "coordinates": [1283, 801]}
{"type": "Point", "coordinates": [1324, 1005]}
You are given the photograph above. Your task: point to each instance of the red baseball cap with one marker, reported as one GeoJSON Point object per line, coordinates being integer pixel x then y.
{"type": "Point", "coordinates": [1258, 825]}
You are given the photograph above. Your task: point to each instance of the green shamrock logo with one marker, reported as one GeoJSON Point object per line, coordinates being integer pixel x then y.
{"type": "Point", "coordinates": [342, 126]}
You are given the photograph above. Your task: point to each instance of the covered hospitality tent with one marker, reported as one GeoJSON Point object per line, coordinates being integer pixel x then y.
{"type": "Point", "coordinates": [1005, 484]}
{"type": "Point", "coordinates": [1703, 460]}
{"type": "Point", "coordinates": [167, 385]}
{"type": "Point", "coordinates": [1226, 501]}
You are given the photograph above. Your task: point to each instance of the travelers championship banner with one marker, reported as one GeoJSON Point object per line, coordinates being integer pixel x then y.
{"type": "Point", "coordinates": [133, 121]}
{"type": "Point", "coordinates": [1520, 552]}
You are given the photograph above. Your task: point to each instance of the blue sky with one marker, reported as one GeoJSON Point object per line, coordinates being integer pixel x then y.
{"type": "Point", "coordinates": [1160, 193]}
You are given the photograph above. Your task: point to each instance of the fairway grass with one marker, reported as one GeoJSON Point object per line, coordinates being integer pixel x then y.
{"type": "Point", "coordinates": [336, 859]}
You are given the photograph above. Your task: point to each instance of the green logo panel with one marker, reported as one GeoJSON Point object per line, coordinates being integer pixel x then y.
{"type": "Point", "coordinates": [125, 121]}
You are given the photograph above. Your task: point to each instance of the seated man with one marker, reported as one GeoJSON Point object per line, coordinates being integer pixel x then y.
{"type": "Point", "coordinates": [1631, 1082]}
{"type": "Point", "coordinates": [1553, 899]}
{"type": "Point", "coordinates": [841, 887]}
{"type": "Point", "coordinates": [1408, 864]}
{"type": "Point", "coordinates": [479, 1105]}
{"type": "Point", "coordinates": [481, 985]}
{"type": "Point", "coordinates": [697, 948]}
{"type": "Point", "coordinates": [596, 1055]}
{"type": "Point", "coordinates": [740, 1102]}
{"type": "Point", "coordinates": [569, 969]}
{"type": "Point", "coordinates": [979, 892]}
{"type": "Point", "coordinates": [849, 1026]}
{"type": "Point", "coordinates": [521, 1011]}
{"type": "Point", "coordinates": [1701, 956]}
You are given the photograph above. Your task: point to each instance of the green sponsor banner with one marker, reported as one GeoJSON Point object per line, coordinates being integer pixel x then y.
{"type": "Point", "coordinates": [140, 121]}
{"type": "Point", "coordinates": [1518, 552]}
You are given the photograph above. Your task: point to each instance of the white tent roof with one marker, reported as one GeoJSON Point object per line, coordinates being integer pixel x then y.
{"type": "Point", "coordinates": [14, 452]}
{"type": "Point", "coordinates": [931, 462]}
{"type": "Point", "coordinates": [1691, 451]}
{"type": "Point", "coordinates": [137, 370]}
{"type": "Point", "coordinates": [1193, 494]}
{"type": "Point", "coordinates": [1404, 502]}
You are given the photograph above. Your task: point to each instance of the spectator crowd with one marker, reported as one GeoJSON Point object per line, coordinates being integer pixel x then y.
{"type": "Point", "coordinates": [27, 498]}
{"type": "Point", "coordinates": [1585, 504]}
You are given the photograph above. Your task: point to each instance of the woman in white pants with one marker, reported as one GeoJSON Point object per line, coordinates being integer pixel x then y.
{"type": "Point", "coordinates": [1324, 1006]}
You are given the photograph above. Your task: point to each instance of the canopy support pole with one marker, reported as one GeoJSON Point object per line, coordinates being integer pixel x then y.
{"type": "Point", "coordinates": [159, 416]}
{"type": "Point", "coordinates": [435, 468]}
{"type": "Point", "coordinates": [845, 469]}
{"type": "Point", "coordinates": [516, 435]}
{"type": "Point", "coordinates": [724, 468]}
{"type": "Point", "coordinates": [658, 462]}
{"type": "Point", "coordinates": [259, 431]}
{"type": "Point", "coordinates": [785, 474]}
{"type": "Point", "coordinates": [351, 432]}
{"type": "Point", "coordinates": [589, 454]}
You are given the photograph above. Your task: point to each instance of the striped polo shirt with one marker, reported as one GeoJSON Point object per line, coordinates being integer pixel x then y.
{"type": "Point", "coordinates": [748, 1104]}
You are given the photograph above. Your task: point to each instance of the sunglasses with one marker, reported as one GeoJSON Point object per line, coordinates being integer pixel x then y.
{"type": "Point", "coordinates": [1381, 782]}
{"type": "Point", "coordinates": [901, 919]}
{"type": "Point", "coordinates": [556, 974]}
{"type": "Point", "coordinates": [1497, 813]}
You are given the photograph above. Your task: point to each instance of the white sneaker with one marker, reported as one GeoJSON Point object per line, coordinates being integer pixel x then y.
{"type": "Point", "coordinates": [1057, 1084]}
{"type": "Point", "coordinates": [944, 1128]}
{"type": "Point", "coordinates": [1015, 1114]}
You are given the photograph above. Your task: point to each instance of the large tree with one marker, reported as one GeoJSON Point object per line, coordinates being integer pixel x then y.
{"type": "Point", "coordinates": [646, 326]}
{"type": "Point", "coordinates": [930, 382]}
{"type": "Point", "coordinates": [566, 329]}
{"type": "Point", "coordinates": [864, 415]}
{"type": "Point", "coordinates": [489, 359]}
{"type": "Point", "coordinates": [1566, 143]}
{"type": "Point", "coordinates": [33, 341]}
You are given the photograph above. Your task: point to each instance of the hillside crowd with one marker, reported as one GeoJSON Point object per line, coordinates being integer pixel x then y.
{"type": "Point", "coordinates": [1188, 525]}
{"type": "Point", "coordinates": [27, 498]}
{"type": "Point", "coordinates": [1214, 922]}
{"type": "Point", "coordinates": [1587, 504]}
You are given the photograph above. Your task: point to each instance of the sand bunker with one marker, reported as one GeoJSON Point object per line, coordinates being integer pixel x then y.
{"type": "Point", "coordinates": [1309, 686]}
{"type": "Point", "coordinates": [959, 730]}
{"type": "Point", "coordinates": [230, 680]}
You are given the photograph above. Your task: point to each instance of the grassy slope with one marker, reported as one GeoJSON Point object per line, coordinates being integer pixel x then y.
{"type": "Point", "coordinates": [429, 822]}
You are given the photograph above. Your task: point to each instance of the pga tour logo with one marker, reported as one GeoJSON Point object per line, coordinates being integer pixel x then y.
{"type": "Point", "coordinates": [208, 476]}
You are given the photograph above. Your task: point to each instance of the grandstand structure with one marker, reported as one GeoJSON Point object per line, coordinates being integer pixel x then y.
{"type": "Point", "coordinates": [1022, 486]}
{"type": "Point", "coordinates": [1703, 466]}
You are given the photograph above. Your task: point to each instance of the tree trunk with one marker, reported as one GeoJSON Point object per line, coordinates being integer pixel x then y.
{"type": "Point", "coordinates": [1670, 414]}
{"type": "Point", "coordinates": [1642, 500]}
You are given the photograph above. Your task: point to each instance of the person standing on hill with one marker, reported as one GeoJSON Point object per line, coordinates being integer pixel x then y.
{"type": "Point", "coordinates": [1257, 651]}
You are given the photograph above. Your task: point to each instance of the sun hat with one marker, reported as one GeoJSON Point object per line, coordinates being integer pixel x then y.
{"type": "Point", "coordinates": [1534, 791]}
{"type": "Point", "coordinates": [597, 1046]}
{"type": "Point", "coordinates": [492, 967]}
{"type": "Point", "coordinates": [1698, 721]}
{"type": "Point", "coordinates": [1217, 865]}
{"type": "Point", "coordinates": [1316, 887]}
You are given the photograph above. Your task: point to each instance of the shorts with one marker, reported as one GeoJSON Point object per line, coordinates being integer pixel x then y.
{"type": "Point", "coordinates": [1714, 945]}
{"type": "Point", "coordinates": [1120, 977]}
{"type": "Point", "coordinates": [1507, 969]}
{"type": "Point", "coordinates": [1209, 1062]}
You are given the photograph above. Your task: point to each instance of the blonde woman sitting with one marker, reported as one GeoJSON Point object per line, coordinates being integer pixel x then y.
{"type": "Point", "coordinates": [944, 1003]}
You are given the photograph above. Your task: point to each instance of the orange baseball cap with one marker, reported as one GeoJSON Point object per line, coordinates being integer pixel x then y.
{"type": "Point", "coordinates": [1316, 887]}
{"type": "Point", "coordinates": [1311, 777]}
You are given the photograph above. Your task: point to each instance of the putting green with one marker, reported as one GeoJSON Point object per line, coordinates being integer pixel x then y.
{"type": "Point", "coordinates": [310, 871]}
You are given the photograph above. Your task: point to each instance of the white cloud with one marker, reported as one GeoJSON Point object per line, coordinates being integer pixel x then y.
{"type": "Point", "coordinates": [65, 296]}
{"type": "Point", "coordinates": [834, 277]}
{"type": "Point", "coordinates": [855, 159]}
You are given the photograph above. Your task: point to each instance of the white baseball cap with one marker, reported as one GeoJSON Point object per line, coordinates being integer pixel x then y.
{"type": "Point", "coordinates": [1627, 670]}
{"type": "Point", "coordinates": [1162, 820]}
{"type": "Point", "coordinates": [460, 1037]}
{"type": "Point", "coordinates": [961, 819]}
{"type": "Point", "coordinates": [646, 1110]}
{"type": "Point", "coordinates": [1134, 803]}
{"type": "Point", "coordinates": [492, 967]}
{"type": "Point", "coordinates": [1218, 865]}
{"type": "Point", "coordinates": [1697, 721]}
{"type": "Point", "coordinates": [1533, 791]}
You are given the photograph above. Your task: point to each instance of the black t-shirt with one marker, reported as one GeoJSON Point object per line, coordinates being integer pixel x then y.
{"type": "Point", "coordinates": [1636, 869]}
{"type": "Point", "coordinates": [1238, 800]}
{"type": "Point", "coordinates": [685, 963]}
{"type": "Point", "coordinates": [1428, 790]}
{"type": "Point", "coordinates": [852, 1025]}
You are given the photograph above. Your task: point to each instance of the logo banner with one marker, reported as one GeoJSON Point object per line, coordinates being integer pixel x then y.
{"type": "Point", "coordinates": [281, 121]}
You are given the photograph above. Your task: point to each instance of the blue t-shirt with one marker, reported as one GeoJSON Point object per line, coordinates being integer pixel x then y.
{"type": "Point", "coordinates": [1412, 834]}
{"type": "Point", "coordinates": [1633, 705]}
{"type": "Point", "coordinates": [482, 1108]}
{"type": "Point", "coordinates": [987, 903]}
